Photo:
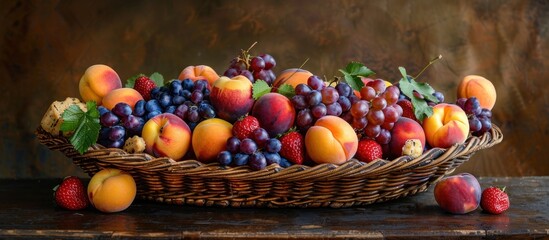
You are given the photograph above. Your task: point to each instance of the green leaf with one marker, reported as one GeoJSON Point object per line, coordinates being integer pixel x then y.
{"type": "Point", "coordinates": [84, 125]}
{"type": "Point", "coordinates": [260, 88]}
{"type": "Point", "coordinates": [157, 78]}
{"type": "Point", "coordinates": [421, 108]}
{"type": "Point", "coordinates": [352, 73]}
{"type": "Point", "coordinates": [286, 90]}
{"type": "Point", "coordinates": [408, 85]}
{"type": "Point", "coordinates": [355, 82]}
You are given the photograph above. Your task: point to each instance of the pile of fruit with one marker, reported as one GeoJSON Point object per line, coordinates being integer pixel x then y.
{"type": "Point", "coordinates": [251, 117]}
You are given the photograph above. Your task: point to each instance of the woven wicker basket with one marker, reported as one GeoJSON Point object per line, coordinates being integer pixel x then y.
{"type": "Point", "coordinates": [350, 184]}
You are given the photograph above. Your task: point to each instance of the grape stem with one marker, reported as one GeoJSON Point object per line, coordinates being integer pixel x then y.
{"type": "Point", "coordinates": [429, 64]}
{"type": "Point", "coordinates": [245, 55]}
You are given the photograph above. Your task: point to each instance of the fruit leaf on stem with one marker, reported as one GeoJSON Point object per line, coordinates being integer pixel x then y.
{"type": "Point", "coordinates": [286, 90]}
{"type": "Point", "coordinates": [156, 77]}
{"type": "Point", "coordinates": [84, 125]}
{"type": "Point", "coordinates": [260, 88]}
{"type": "Point", "coordinates": [408, 85]}
{"type": "Point", "coordinates": [353, 72]}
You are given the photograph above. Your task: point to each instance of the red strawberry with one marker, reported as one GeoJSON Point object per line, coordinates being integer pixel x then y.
{"type": "Point", "coordinates": [144, 85]}
{"type": "Point", "coordinates": [368, 150]}
{"type": "Point", "coordinates": [293, 147]}
{"type": "Point", "coordinates": [494, 200]}
{"type": "Point", "coordinates": [244, 127]}
{"type": "Point", "coordinates": [71, 194]}
{"type": "Point", "coordinates": [407, 109]}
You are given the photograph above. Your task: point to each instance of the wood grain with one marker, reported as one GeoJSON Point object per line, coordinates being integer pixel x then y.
{"type": "Point", "coordinates": [47, 45]}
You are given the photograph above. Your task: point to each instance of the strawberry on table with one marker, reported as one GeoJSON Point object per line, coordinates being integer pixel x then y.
{"type": "Point", "coordinates": [244, 127]}
{"type": "Point", "coordinates": [144, 85]}
{"type": "Point", "coordinates": [293, 147]}
{"type": "Point", "coordinates": [368, 150]}
{"type": "Point", "coordinates": [71, 194]}
{"type": "Point", "coordinates": [494, 200]}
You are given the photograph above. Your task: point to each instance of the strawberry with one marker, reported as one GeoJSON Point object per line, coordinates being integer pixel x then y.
{"type": "Point", "coordinates": [293, 147]}
{"type": "Point", "coordinates": [407, 109]}
{"type": "Point", "coordinates": [368, 150]}
{"type": "Point", "coordinates": [244, 127]}
{"type": "Point", "coordinates": [71, 194]}
{"type": "Point", "coordinates": [494, 200]}
{"type": "Point", "coordinates": [144, 85]}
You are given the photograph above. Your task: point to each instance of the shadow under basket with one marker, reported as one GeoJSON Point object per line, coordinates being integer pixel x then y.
{"type": "Point", "coordinates": [353, 183]}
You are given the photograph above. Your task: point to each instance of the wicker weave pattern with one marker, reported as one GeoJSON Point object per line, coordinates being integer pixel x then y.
{"type": "Point", "coordinates": [351, 184]}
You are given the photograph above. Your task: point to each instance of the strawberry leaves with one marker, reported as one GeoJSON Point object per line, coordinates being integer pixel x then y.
{"type": "Point", "coordinates": [417, 92]}
{"type": "Point", "coordinates": [352, 73]}
{"type": "Point", "coordinates": [260, 88]}
{"type": "Point", "coordinates": [84, 125]}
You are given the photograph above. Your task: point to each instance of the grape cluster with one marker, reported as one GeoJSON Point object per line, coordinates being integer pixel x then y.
{"type": "Point", "coordinates": [480, 119]}
{"type": "Point", "coordinates": [258, 67]}
{"type": "Point", "coordinates": [376, 112]}
{"type": "Point", "coordinates": [186, 99]}
{"type": "Point", "coordinates": [118, 124]}
{"type": "Point", "coordinates": [258, 151]}
{"type": "Point", "coordinates": [315, 100]}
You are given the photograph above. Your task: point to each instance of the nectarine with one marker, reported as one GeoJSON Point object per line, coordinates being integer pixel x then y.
{"type": "Point", "coordinates": [447, 126]}
{"type": "Point", "coordinates": [166, 135]}
{"type": "Point", "coordinates": [232, 97]}
{"type": "Point", "coordinates": [98, 80]}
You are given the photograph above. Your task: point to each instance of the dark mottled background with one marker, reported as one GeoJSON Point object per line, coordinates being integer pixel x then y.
{"type": "Point", "coordinates": [45, 46]}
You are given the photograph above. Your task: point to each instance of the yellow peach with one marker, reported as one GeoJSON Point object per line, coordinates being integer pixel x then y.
{"type": "Point", "coordinates": [210, 137]}
{"type": "Point", "coordinates": [331, 140]}
{"type": "Point", "coordinates": [127, 95]}
{"type": "Point", "coordinates": [479, 87]}
{"type": "Point", "coordinates": [98, 80]}
{"type": "Point", "coordinates": [199, 72]}
{"type": "Point", "coordinates": [447, 126]}
{"type": "Point", "coordinates": [166, 135]}
{"type": "Point", "coordinates": [111, 190]}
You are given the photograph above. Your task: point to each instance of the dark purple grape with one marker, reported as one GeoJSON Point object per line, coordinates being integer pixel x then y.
{"type": "Point", "coordinates": [186, 94]}
{"type": "Point", "coordinates": [165, 100]}
{"type": "Point", "coordinates": [318, 111]}
{"type": "Point", "coordinates": [314, 98]}
{"type": "Point", "coordinates": [153, 114]}
{"type": "Point", "coordinates": [284, 163]}
{"type": "Point", "coordinates": [248, 75]}
{"type": "Point", "coordinates": [272, 158]}
{"type": "Point", "coordinates": [240, 159]}
{"type": "Point", "coordinates": [304, 119]}
{"type": "Point", "coordinates": [109, 119]}
{"type": "Point", "coordinates": [375, 117]}
{"type": "Point", "coordinates": [231, 72]}
{"type": "Point", "coordinates": [187, 84]}
{"type": "Point", "coordinates": [360, 108]}
{"type": "Point", "coordinates": [178, 100]}
{"type": "Point", "coordinates": [372, 131]}
{"type": "Point", "coordinates": [104, 133]}
{"type": "Point", "coordinates": [181, 111]}
{"type": "Point", "coordinates": [224, 158]}
{"type": "Point", "coordinates": [485, 113]}
{"type": "Point", "coordinates": [248, 146]}
{"type": "Point", "coordinates": [269, 61]}
{"type": "Point", "coordinates": [273, 145]}
{"type": "Point", "coordinates": [133, 125]}
{"type": "Point", "coordinates": [153, 105]}
{"type": "Point", "coordinates": [233, 144]}
{"type": "Point", "coordinates": [122, 109]}
{"type": "Point", "coordinates": [117, 132]}
{"type": "Point", "coordinates": [345, 103]}
{"type": "Point", "coordinates": [260, 136]}
{"type": "Point", "coordinates": [472, 106]}
{"type": "Point", "coordinates": [359, 123]}
{"type": "Point", "coordinates": [175, 87]}
{"type": "Point", "coordinates": [315, 82]}
{"type": "Point", "coordinates": [257, 161]}
{"type": "Point", "coordinates": [154, 92]}
{"type": "Point", "coordinates": [391, 114]}
{"type": "Point", "coordinates": [302, 89]}
{"type": "Point", "coordinates": [116, 144]}
{"type": "Point", "coordinates": [344, 89]}
{"type": "Point", "coordinates": [192, 114]}
{"type": "Point", "coordinates": [384, 136]}
{"type": "Point", "coordinates": [329, 95]}
{"type": "Point", "coordinates": [474, 124]}
{"type": "Point", "coordinates": [200, 85]}
{"type": "Point", "coordinates": [439, 96]}
{"type": "Point", "coordinates": [139, 108]}
{"type": "Point", "coordinates": [206, 111]}
{"type": "Point", "coordinates": [299, 102]}
{"type": "Point", "coordinates": [102, 110]}
{"type": "Point", "coordinates": [263, 75]}
{"type": "Point", "coordinates": [257, 64]}
{"type": "Point", "coordinates": [237, 64]}
{"type": "Point", "coordinates": [486, 124]}
{"type": "Point", "coordinates": [271, 76]}
{"type": "Point", "coordinates": [461, 102]}
{"type": "Point", "coordinates": [197, 96]}
{"type": "Point", "coordinates": [170, 109]}
{"type": "Point", "coordinates": [333, 109]}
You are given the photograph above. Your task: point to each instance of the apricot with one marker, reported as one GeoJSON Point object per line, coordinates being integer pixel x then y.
{"type": "Point", "coordinates": [404, 129]}
{"type": "Point", "coordinates": [167, 135]}
{"type": "Point", "coordinates": [447, 126]}
{"type": "Point", "coordinates": [292, 76]}
{"type": "Point", "coordinates": [199, 72]}
{"type": "Point", "coordinates": [479, 87]}
{"type": "Point", "coordinates": [111, 190]}
{"type": "Point", "coordinates": [126, 95]}
{"type": "Point", "coordinates": [210, 137]}
{"type": "Point", "coordinates": [331, 140]}
{"type": "Point", "coordinates": [98, 80]}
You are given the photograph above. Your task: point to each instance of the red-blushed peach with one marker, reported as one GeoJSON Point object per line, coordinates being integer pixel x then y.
{"type": "Point", "coordinates": [479, 87]}
{"type": "Point", "coordinates": [274, 112]}
{"type": "Point", "coordinates": [447, 126]}
{"type": "Point", "coordinates": [232, 97]}
{"type": "Point", "coordinates": [292, 76]}
{"type": "Point", "coordinates": [166, 135]}
{"type": "Point", "coordinates": [111, 190]}
{"type": "Point", "coordinates": [331, 140]}
{"type": "Point", "coordinates": [126, 95]}
{"type": "Point", "coordinates": [98, 80]}
{"type": "Point", "coordinates": [458, 194]}
{"type": "Point", "coordinates": [404, 129]}
{"type": "Point", "coordinates": [210, 138]}
{"type": "Point", "coordinates": [199, 72]}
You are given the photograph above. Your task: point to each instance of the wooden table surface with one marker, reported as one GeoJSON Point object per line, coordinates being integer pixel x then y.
{"type": "Point", "coordinates": [27, 211]}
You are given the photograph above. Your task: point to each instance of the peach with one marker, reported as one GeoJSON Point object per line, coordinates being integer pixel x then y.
{"type": "Point", "coordinates": [404, 129]}
{"type": "Point", "coordinates": [447, 126]}
{"type": "Point", "coordinates": [275, 113]}
{"type": "Point", "coordinates": [232, 97]}
{"type": "Point", "coordinates": [111, 190]}
{"type": "Point", "coordinates": [98, 80]}
{"type": "Point", "coordinates": [166, 135]}
{"type": "Point", "coordinates": [210, 137]}
{"type": "Point", "coordinates": [127, 95]}
{"type": "Point", "coordinates": [458, 194]}
{"type": "Point", "coordinates": [199, 72]}
{"type": "Point", "coordinates": [480, 87]}
{"type": "Point", "coordinates": [331, 140]}
{"type": "Point", "coordinates": [292, 76]}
